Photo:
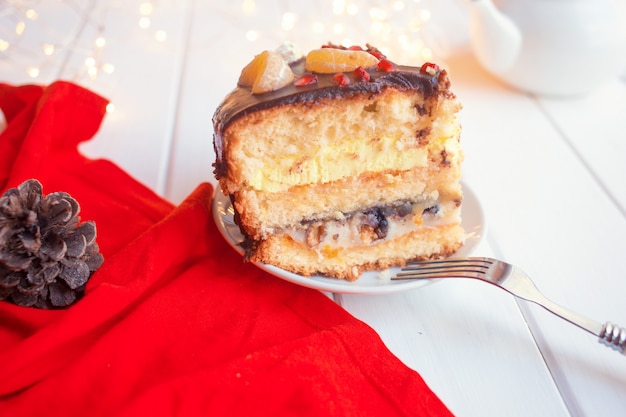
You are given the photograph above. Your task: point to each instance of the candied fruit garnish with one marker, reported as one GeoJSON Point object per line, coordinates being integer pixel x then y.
{"type": "Point", "coordinates": [341, 79]}
{"type": "Point", "coordinates": [361, 74]}
{"type": "Point", "coordinates": [305, 79]}
{"type": "Point", "coordinates": [289, 52]}
{"type": "Point", "coordinates": [430, 68]}
{"type": "Point", "coordinates": [386, 65]}
{"type": "Point", "coordinates": [330, 60]}
{"type": "Point", "coordinates": [268, 71]}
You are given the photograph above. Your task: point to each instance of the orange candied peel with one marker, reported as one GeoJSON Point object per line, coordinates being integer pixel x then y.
{"type": "Point", "coordinates": [267, 72]}
{"type": "Point", "coordinates": [329, 252]}
{"type": "Point", "coordinates": [332, 60]}
{"type": "Point", "coordinates": [418, 220]}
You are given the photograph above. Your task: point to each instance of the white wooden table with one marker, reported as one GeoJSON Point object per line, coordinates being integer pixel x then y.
{"type": "Point", "coordinates": [550, 175]}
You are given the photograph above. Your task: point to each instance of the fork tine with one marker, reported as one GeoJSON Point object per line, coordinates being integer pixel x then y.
{"type": "Point", "coordinates": [451, 262]}
{"type": "Point", "coordinates": [452, 267]}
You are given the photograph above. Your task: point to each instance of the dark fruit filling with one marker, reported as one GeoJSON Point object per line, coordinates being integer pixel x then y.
{"type": "Point", "coordinates": [372, 224]}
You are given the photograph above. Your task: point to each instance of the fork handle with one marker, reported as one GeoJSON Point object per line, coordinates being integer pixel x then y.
{"type": "Point", "coordinates": [608, 333]}
{"type": "Point", "coordinates": [613, 336]}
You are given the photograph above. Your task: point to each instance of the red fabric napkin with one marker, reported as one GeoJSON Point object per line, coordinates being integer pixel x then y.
{"type": "Point", "coordinates": [173, 323]}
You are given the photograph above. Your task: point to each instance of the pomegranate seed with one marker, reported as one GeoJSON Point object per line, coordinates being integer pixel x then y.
{"type": "Point", "coordinates": [377, 54]}
{"type": "Point", "coordinates": [306, 79]}
{"type": "Point", "coordinates": [341, 78]}
{"type": "Point", "coordinates": [386, 65]}
{"type": "Point", "coordinates": [361, 75]}
{"type": "Point", "coordinates": [429, 68]}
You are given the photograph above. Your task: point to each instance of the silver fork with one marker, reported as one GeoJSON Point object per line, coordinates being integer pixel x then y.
{"type": "Point", "coordinates": [516, 282]}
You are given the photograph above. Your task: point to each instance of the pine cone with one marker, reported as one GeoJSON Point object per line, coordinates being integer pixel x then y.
{"type": "Point", "coordinates": [46, 254]}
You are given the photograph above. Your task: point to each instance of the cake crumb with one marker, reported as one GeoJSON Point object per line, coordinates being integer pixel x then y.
{"type": "Point", "coordinates": [385, 275]}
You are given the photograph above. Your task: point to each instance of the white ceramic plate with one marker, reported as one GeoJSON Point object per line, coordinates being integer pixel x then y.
{"type": "Point", "coordinates": [371, 282]}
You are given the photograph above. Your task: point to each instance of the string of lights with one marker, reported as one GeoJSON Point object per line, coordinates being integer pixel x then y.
{"type": "Point", "coordinates": [396, 26]}
{"type": "Point", "coordinates": [34, 33]}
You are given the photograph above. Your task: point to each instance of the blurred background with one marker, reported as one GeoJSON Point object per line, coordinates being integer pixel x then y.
{"type": "Point", "coordinates": [42, 39]}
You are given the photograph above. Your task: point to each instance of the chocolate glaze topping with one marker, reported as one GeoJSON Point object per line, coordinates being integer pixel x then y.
{"type": "Point", "coordinates": [241, 102]}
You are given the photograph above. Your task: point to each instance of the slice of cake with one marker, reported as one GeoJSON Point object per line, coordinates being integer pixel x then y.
{"type": "Point", "coordinates": [341, 162]}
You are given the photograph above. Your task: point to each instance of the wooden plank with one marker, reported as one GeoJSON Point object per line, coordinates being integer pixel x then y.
{"type": "Point", "coordinates": [595, 127]}
{"type": "Point", "coordinates": [144, 87]}
{"type": "Point", "coordinates": [212, 67]}
{"type": "Point", "coordinates": [549, 215]}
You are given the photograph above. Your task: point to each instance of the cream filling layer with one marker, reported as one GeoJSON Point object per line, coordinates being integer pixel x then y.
{"type": "Point", "coordinates": [369, 228]}
{"type": "Point", "coordinates": [348, 158]}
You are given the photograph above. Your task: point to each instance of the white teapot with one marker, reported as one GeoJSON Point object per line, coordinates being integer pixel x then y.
{"type": "Point", "coordinates": [550, 47]}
